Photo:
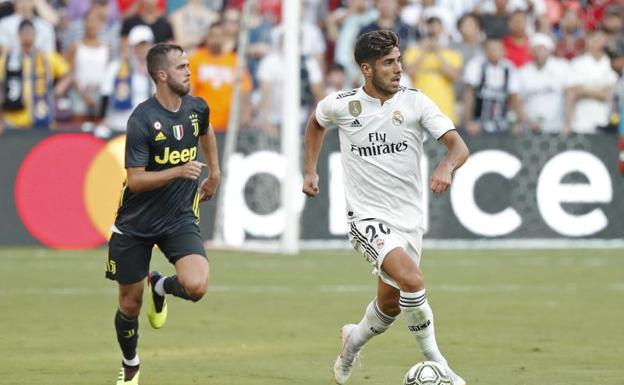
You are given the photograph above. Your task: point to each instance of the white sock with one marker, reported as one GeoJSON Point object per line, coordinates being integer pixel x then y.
{"type": "Point", "coordinates": [132, 362]}
{"type": "Point", "coordinates": [159, 288]}
{"type": "Point", "coordinates": [419, 319]}
{"type": "Point", "coordinates": [373, 323]}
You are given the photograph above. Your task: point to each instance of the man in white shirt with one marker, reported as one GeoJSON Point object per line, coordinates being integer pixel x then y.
{"type": "Point", "coordinates": [44, 31]}
{"type": "Point", "coordinates": [382, 127]}
{"type": "Point", "coordinates": [543, 83]}
{"type": "Point", "coordinates": [593, 82]}
{"type": "Point", "coordinates": [271, 75]}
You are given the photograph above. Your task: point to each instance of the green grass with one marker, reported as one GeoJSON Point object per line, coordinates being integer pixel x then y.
{"type": "Point", "coordinates": [502, 317]}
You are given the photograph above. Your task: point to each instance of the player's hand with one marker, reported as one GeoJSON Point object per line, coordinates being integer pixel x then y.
{"type": "Point", "coordinates": [310, 185]}
{"type": "Point", "coordinates": [191, 170]}
{"type": "Point", "coordinates": [441, 179]}
{"type": "Point", "coordinates": [209, 186]}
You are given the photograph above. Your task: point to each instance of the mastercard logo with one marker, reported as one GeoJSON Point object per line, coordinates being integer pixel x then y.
{"type": "Point", "coordinates": [67, 189]}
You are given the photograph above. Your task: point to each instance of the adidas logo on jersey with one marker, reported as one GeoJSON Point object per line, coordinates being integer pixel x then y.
{"type": "Point", "coordinates": [160, 137]}
{"type": "Point", "coordinates": [356, 123]}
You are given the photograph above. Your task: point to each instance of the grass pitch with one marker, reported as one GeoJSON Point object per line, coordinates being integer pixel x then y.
{"type": "Point", "coordinates": [502, 317]}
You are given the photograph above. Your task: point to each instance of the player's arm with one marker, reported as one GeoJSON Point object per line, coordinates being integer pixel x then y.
{"type": "Point", "coordinates": [140, 180]}
{"type": "Point", "coordinates": [315, 133]}
{"type": "Point", "coordinates": [457, 153]}
{"type": "Point", "coordinates": [208, 143]}
{"type": "Point", "coordinates": [441, 127]}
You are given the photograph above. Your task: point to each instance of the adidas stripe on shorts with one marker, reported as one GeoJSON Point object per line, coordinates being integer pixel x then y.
{"type": "Point", "coordinates": [374, 239]}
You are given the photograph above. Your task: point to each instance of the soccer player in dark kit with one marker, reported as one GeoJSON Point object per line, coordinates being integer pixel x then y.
{"type": "Point", "coordinates": [159, 202]}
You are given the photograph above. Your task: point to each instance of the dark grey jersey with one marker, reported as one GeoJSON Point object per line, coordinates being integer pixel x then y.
{"type": "Point", "coordinates": [158, 139]}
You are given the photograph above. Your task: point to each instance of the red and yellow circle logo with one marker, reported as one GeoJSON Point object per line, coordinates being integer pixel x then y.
{"type": "Point", "coordinates": [67, 189]}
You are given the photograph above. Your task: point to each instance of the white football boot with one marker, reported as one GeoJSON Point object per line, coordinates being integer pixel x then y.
{"type": "Point", "coordinates": [344, 364]}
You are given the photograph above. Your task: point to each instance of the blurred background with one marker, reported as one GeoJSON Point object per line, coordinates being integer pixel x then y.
{"type": "Point", "coordinates": [532, 85]}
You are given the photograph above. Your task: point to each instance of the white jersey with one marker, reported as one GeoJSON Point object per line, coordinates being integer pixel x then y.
{"type": "Point", "coordinates": [381, 147]}
{"type": "Point", "coordinates": [542, 91]}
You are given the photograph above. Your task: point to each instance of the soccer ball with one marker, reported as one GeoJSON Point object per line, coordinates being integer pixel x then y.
{"type": "Point", "coordinates": [427, 373]}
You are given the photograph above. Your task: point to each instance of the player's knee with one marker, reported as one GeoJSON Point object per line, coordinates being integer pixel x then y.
{"type": "Point", "coordinates": [130, 305]}
{"type": "Point", "coordinates": [196, 289]}
{"type": "Point", "coordinates": [410, 281]}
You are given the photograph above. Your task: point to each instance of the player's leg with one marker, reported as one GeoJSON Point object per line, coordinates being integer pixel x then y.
{"type": "Point", "coordinates": [127, 329]}
{"type": "Point", "coordinates": [379, 315]}
{"type": "Point", "coordinates": [375, 320]}
{"type": "Point", "coordinates": [404, 270]}
{"type": "Point", "coordinates": [185, 250]}
{"type": "Point", "coordinates": [413, 301]}
{"type": "Point", "coordinates": [128, 264]}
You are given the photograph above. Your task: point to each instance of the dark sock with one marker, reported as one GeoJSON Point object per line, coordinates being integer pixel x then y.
{"type": "Point", "coordinates": [159, 300]}
{"type": "Point", "coordinates": [174, 287]}
{"type": "Point", "coordinates": [127, 334]}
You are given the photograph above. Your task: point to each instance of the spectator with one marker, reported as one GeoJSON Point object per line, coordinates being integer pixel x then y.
{"type": "Point", "coordinates": [259, 28]}
{"type": "Point", "coordinates": [413, 14]}
{"type": "Point", "coordinates": [109, 33]}
{"type": "Point", "coordinates": [213, 75]}
{"type": "Point", "coordinates": [516, 42]}
{"type": "Point", "coordinates": [150, 15]}
{"type": "Point", "coordinates": [126, 83]}
{"type": "Point", "coordinates": [434, 68]}
{"type": "Point", "coordinates": [343, 27]}
{"type": "Point", "coordinates": [471, 37]}
{"type": "Point", "coordinates": [191, 22]}
{"type": "Point", "coordinates": [615, 50]}
{"type": "Point", "coordinates": [231, 27]}
{"type": "Point", "coordinates": [44, 31]}
{"type": "Point", "coordinates": [593, 82]}
{"type": "Point", "coordinates": [456, 9]}
{"type": "Point", "coordinates": [129, 8]}
{"type": "Point", "coordinates": [312, 40]}
{"type": "Point", "coordinates": [534, 9]}
{"type": "Point", "coordinates": [592, 12]}
{"type": "Point", "coordinates": [490, 89]}
{"type": "Point", "coordinates": [612, 23]}
{"type": "Point", "coordinates": [389, 18]}
{"type": "Point", "coordinates": [495, 22]}
{"type": "Point", "coordinates": [27, 75]}
{"type": "Point", "coordinates": [88, 59]}
{"type": "Point", "coordinates": [336, 79]}
{"type": "Point", "coordinates": [569, 35]}
{"type": "Point", "coordinates": [271, 77]}
{"type": "Point", "coordinates": [543, 82]}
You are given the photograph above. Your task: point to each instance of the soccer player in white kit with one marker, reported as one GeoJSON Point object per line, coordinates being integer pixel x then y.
{"type": "Point", "coordinates": [381, 128]}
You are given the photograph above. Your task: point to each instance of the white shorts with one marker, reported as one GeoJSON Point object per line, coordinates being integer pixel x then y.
{"type": "Point", "coordinates": [374, 239]}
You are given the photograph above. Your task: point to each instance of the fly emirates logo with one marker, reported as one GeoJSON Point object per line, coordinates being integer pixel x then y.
{"type": "Point", "coordinates": [379, 146]}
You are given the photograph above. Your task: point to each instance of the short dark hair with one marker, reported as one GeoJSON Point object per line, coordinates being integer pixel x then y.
{"type": "Point", "coordinates": [375, 44]}
{"type": "Point", "coordinates": [336, 67]}
{"type": "Point", "coordinates": [467, 16]}
{"type": "Point", "coordinates": [26, 23]}
{"type": "Point", "coordinates": [157, 59]}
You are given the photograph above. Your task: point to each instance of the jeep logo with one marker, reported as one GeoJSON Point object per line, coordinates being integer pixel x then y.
{"type": "Point", "coordinates": [175, 157]}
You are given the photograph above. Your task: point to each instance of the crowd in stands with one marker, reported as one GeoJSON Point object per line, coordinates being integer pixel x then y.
{"type": "Point", "coordinates": [492, 66]}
